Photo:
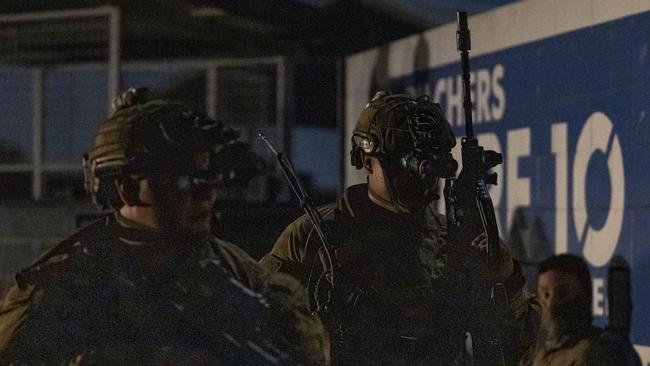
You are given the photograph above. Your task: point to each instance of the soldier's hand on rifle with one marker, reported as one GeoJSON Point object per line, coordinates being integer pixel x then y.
{"type": "Point", "coordinates": [505, 265]}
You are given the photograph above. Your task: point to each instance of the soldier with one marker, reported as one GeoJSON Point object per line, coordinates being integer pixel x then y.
{"type": "Point", "coordinates": [148, 283]}
{"type": "Point", "coordinates": [566, 335]}
{"type": "Point", "coordinates": [403, 293]}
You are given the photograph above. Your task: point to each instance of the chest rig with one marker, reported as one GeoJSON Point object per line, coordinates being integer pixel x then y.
{"type": "Point", "coordinates": [392, 297]}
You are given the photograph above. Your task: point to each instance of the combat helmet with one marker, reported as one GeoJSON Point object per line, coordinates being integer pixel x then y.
{"type": "Point", "coordinates": [413, 130]}
{"type": "Point", "coordinates": [412, 140]}
{"type": "Point", "coordinates": [145, 135]}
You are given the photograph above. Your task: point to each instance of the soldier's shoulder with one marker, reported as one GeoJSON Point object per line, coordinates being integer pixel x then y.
{"type": "Point", "coordinates": [298, 232]}
{"type": "Point", "coordinates": [61, 262]}
{"type": "Point", "coordinates": [229, 250]}
{"type": "Point", "coordinates": [48, 280]}
{"type": "Point", "coordinates": [237, 259]}
{"type": "Point", "coordinates": [295, 237]}
{"type": "Point", "coordinates": [239, 263]}
{"type": "Point", "coordinates": [329, 212]}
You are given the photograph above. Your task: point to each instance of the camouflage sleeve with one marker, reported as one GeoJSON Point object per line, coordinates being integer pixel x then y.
{"type": "Point", "coordinates": [14, 312]}
{"type": "Point", "coordinates": [292, 317]}
{"type": "Point", "coordinates": [524, 317]}
{"type": "Point", "coordinates": [39, 326]}
{"type": "Point", "coordinates": [515, 288]}
{"type": "Point", "coordinates": [288, 253]}
{"type": "Point", "coordinates": [437, 224]}
{"type": "Point", "coordinates": [526, 328]}
{"type": "Point", "coordinates": [240, 265]}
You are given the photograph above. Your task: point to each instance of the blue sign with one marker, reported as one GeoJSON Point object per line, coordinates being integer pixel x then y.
{"type": "Point", "coordinates": [571, 114]}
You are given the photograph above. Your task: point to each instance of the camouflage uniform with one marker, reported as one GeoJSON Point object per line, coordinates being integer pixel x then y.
{"type": "Point", "coordinates": [118, 292]}
{"type": "Point", "coordinates": [404, 294]}
{"type": "Point", "coordinates": [583, 347]}
{"type": "Point", "coordinates": [561, 319]}
{"type": "Point", "coordinates": [102, 291]}
{"type": "Point", "coordinates": [416, 287]}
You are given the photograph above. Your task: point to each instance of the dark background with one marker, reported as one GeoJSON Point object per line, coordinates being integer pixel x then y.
{"type": "Point", "coordinates": [166, 46]}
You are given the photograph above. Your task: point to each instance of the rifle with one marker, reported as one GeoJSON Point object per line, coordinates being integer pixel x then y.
{"type": "Point", "coordinates": [468, 204]}
{"type": "Point", "coordinates": [328, 309]}
{"type": "Point", "coordinates": [313, 214]}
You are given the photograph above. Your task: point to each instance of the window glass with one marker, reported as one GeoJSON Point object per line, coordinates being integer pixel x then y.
{"type": "Point", "coordinates": [182, 86]}
{"type": "Point", "coordinates": [75, 103]}
{"type": "Point", "coordinates": [15, 185]}
{"type": "Point", "coordinates": [67, 185]}
{"type": "Point", "coordinates": [15, 114]}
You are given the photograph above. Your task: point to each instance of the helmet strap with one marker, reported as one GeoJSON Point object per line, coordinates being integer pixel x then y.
{"type": "Point", "coordinates": [392, 192]}
{"type": "Point", "coordinates": [130, 191]}
{"type": "Point", "coordinates": [387, 204]}
{"type": "Point", "coordinates": [391, 204]}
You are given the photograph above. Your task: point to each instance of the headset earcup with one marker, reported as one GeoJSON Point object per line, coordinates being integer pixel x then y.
{"type": "Point", "coordinates": [130, 190]}
{"type": "Point", "coordinates": [356, 158]}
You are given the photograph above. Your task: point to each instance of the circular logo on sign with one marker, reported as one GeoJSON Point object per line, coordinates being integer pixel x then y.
{"type": "Point", "coordinates": [598, 135]}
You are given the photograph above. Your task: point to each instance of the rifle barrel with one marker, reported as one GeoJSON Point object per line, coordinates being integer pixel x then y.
{"type": "Point", "coordinates": [464, 44]}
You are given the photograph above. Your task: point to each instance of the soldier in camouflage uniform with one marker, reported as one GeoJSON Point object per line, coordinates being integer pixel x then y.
{"type": "Point", "coordinates": [566, 336]}
{"type": "Point", "coordinates": [406, 291]}
{"type": "Point", "coordinates": [148, 284]}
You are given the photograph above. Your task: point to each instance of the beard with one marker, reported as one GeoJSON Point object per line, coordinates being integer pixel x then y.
{"type": "Point", "coordinates": [172, 229]}
{"type": "Point", "coordinates": [566, 319]}
{"type": "Point", "coordinates": [173, 226]}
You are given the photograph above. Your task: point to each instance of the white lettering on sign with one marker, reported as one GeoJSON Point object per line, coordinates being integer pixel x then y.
{"type": "Point", "coordinates": [499, 107]}
{"type": "Point", "coordinates": [518, 187]}
{"type": "Point", "coordinates": [487, 92]}
{"type": "Point", "coordinates": [598, 296]}
{"type": "Point", "coordinates": [482, 104]}
{"type": "Point", "coordinates": [559, 147]}
{"type": "Point", "coordinates": [597, 135]}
